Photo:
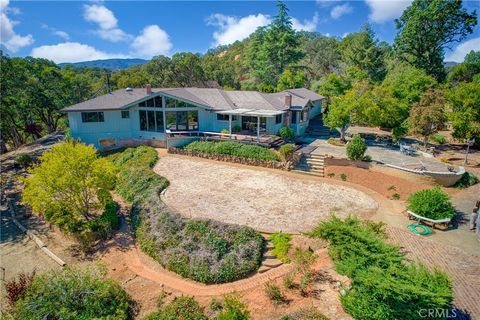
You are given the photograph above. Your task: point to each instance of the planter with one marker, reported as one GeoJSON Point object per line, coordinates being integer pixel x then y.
{"type": "Point", "coordinates": [227, 158]}
{"type": "Point", "coordinates": [442, 222]}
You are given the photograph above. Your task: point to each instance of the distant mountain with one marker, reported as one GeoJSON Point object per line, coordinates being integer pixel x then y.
{"type": "Point", "coordinates": [110, 64]}
{"type": "Point", "coordinates": [449, 64]}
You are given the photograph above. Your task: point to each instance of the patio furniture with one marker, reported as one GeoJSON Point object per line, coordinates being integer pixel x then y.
{"type": "Point", "coordinates": [443, 222]}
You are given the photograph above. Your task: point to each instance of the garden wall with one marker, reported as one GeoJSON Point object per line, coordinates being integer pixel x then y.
{"type": "Point", "coordinates": [284, 165]}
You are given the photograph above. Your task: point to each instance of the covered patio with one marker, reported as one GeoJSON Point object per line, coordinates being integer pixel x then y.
{"type": "Point", "coordinates": [250, 113]}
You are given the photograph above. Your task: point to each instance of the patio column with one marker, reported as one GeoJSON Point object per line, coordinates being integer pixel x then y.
{"type": "Point", "coordinates": [258, 128]}
{"type": "Point", "coordinates": [230, 123]}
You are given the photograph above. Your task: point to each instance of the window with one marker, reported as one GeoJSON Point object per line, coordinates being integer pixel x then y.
{"type": "Point", "coordinates": [293, 117]}
{"type": "Point", "coordinates": [125, 114]}
{"type": "Point", "coordinates": [142, 104]}
{"type": "Point", "coordinates": [224, 117]}
{"type": "Point", "coordinates": [182, 120]}
{"type": "Point", "coordinates": [150, 103]}
{"type": "Point", "coordinates": [278, 118]}
{"type": "Point", "coordinates": [170, 102]}
{"type": "Point", "coordinates": [158, 102]}
{"type": "Point", "coordinates": [302, 115]}
{"type": "Point", "coordinates": [151, 120]}
{"type": "Point", "coordinates": [92, 117]}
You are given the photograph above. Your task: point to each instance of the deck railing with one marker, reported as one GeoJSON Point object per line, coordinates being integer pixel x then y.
{"type": "Point", "coordinates": [264, 139]}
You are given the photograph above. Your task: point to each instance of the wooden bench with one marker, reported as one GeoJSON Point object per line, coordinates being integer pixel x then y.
{"type": "Point", "coordinates": [443, 222]}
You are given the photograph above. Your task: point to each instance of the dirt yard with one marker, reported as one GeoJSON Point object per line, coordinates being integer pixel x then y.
{"type": "Point", "coordinates": [262, 199]}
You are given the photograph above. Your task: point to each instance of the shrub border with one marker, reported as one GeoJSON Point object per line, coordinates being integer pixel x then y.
{"type": "Point", "coordinates": [280, 165]}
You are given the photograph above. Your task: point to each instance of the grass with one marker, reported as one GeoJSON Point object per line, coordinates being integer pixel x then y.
{"type": "Point", "coordinates": [336, 142]}
{"type": "Point", "coordinates": [235, 149]}
{"type": "Point", "coordinates": [281, 245]}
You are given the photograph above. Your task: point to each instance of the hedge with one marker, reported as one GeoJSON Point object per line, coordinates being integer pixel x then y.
{"type": "Point", "coordinates": [234, 149]}
{"type": "Point", "coordinates": [384, 284]}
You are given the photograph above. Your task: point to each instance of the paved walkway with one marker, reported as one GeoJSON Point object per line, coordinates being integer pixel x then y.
{"type": "Point", "coordinates": [463, 268]}
{"type": "Point", "coordinates": [383, 154]}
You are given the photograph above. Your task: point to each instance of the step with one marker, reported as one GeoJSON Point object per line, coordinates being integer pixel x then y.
{"type": "Point", "coordinates": [308, 168]}
{"type": "Point", "coordinates": [263, 269]}
{"type": "Point", "coordinates": [315, 160]}
{"type": "Point", "coordinates": [272, 263]}
{"type": "Point", "coordinates": [269, 246]}
{"type": "Point", "coordinates": [269, 255]}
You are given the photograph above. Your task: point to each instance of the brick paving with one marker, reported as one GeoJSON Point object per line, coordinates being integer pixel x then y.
{"type": "Point", "coordinates": [463, 268]}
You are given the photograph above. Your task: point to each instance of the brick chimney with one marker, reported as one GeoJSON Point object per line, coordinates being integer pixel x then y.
{"type": "Point", "coordinates": [149, 89]}
{"type": "Point", "coordinates": [288, 100]}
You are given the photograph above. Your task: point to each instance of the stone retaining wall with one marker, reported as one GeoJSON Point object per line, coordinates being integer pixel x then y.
{"type": "Point", "coordinates": [282, 165]}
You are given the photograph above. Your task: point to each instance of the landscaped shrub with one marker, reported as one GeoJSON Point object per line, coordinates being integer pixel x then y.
{"type": "Point", "coordinates": [384, 285]}
{"type": "Point", "coordinates": [468, 179]}
{"type": "Point", "coordinates": [287, 150]}
{"type": "Point", "coordinates": [336, 142]}
{"type": "Point", "coordinates": [23, 160]}
{"type": "Point", "coordinates": [225, 131]}
{"type": "Point", "coordinates": [183, 307]}
{"type": "Point", "coordinates": [233, 309]}
{"type": "Point", "coordinates": [308, 313]}
{"type": "Point", "coordinates": [274, 293]}
{"type": "Point", "coordinates": [16, 288]}
{"type": "Point", "coordinates": [73, 293]}
{"type": "Point", "coordinates": [136, 179]}
{"type": "Point", "coordinates": [232, 148]}
{"type": "Point", "coordinates": [203, 250]}
{"type": "Point", "coordinates": [286, 133]}
{"type": "Point", "coordinates": [438, 138]}
{"type": "Point", "coordinates": [356, 148]}
{"type": "Point", "coordinates": [431, 203]}
{"type": "Point", "coordinates": [281, 245]}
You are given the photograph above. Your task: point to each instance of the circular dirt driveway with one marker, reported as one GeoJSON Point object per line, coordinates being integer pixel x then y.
{"type": "Point", "coordinates": [262, 199]}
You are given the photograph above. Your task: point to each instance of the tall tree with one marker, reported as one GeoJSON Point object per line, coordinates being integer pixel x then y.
{"type": "Point", "coordinates": [428, 115]}
{"type": "Point", "coordinates": [464, 100]}
{"type": "Point", "coordinates": [426, 28]}
{"type": "Point", "coordinates": [362, 50]}
{"type": "Point", "coordinates": [467, 70]}
{"type": "Point", "coordinates": [322, 56]}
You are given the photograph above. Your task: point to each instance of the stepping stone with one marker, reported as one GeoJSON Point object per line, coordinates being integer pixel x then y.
{"type": "Point", "coordinates": [263, 269]}
{"type": "Point", "coordinates": [269, 255]}
{"type": "Point", "coordinates": [269, 246]}
{"type": "Point", "coordinates": [272, 263]}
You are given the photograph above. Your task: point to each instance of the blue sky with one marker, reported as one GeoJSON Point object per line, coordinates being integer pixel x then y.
{"type": "Point", "coordinates": [71, 31]}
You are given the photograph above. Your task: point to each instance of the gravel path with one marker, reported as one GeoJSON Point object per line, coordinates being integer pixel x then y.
{"type": "Point", "coordinates": [263, 199]}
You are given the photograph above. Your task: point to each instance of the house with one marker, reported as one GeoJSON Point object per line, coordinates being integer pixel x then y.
{"type": "Point", "coordinates": [174, 116]}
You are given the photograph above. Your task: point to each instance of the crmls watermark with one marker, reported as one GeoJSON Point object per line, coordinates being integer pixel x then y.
{"type": "Point", "coordinates": [438, 313]}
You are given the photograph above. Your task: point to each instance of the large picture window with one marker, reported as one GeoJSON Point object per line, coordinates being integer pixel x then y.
{"type": "Point", "coordinates": [182, 120]}
{"type": "Point", "coordinates": [152, 103]}
{"type": "Point", "coordinates": [172, 103]}
{"type": "Point", "coordinates": [92, 117]}
{"type": "Point", "coordinates": [151, 121]}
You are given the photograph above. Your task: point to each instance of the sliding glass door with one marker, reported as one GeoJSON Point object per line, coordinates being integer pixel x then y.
{"type": "Point", "coordinates": [182, 120]}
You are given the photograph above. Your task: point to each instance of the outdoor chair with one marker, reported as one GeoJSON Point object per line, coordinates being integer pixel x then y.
{"type": "Point", "coordinates": [409, 151]}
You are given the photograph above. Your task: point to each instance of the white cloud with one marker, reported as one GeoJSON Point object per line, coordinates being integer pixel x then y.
{"type": "Point", "coordinates": [151, 42]}
{"type": "Point", "coordinates": [72, 52]}
{"type": "Point", "coordinates": [462, 49]}
{"type": "Point", "coordinates": [382, 10]}
{"type": "Point", "coordinates": [106, 21]}
{"type": "Point", "coordinates": [61, 34]}
{"type": "Point", "coordinates": [340, 10]}
{"type": "Point", "coordinates": [307, 25]}
{"type": "Point", "coordinates": [8, 37]}
{"type": "Point", "coordinates": [231, 29]}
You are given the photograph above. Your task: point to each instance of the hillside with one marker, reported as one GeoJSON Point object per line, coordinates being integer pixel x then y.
{"type": "Point", "coordinates": [110, 64]}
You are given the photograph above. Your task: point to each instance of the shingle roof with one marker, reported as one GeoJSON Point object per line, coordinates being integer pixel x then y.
{"type": "Point", "coordinates": [215, 99]}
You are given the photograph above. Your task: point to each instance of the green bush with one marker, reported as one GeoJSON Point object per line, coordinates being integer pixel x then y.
{"type": "Point", "coordinates": [73, 293]}
{"type": "Point", "coordinates": [281, 245]}
{"type": "Point", "coordinates": [438, 138]}
{"type": "Point", "coordinates": [135, 179]}
{"type": "Point", "coordinates": [183, 307]}
{"type": "Point", "coordinates": [287, 150]}
{"type": "Point", "coordinates": [235, 149]}
{"type": "Point", "coordinates": [203, 250]}
{"type": "Point", "coordinates": [225, 131]}
{"type": "Point", "coordinates": [431, 203]}
{"type": "Point", "coordinates": [286, 133]}
{"type": "Point", "coordinates": [274, 293]}
{"type": "Point", "coordinates": [356, 148]}
{"type": "Point", "coordinates": [384, 285]}
{"type": "Point", "coordinates": [233, 309]}
{"type": "Point", "coordinates": [24, 160]}
{"type": "Point", "coordinates": [468, 179]}
{"type": "Point", "coordinates": [109, 214]}
{"type": "Point", "coordinates": [308, 313]}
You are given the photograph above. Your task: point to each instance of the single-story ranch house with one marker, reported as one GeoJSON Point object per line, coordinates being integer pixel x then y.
{"type": "Point", "coordinates": [175, 116]}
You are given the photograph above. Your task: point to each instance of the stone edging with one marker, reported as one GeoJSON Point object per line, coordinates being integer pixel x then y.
{"type": "Point", "coordinates": [32, 236]}
{"type": "Point", "coordinates": [281, 165]}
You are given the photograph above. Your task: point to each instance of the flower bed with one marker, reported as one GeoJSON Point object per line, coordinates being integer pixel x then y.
{"type": "Point", "coordinates": [203, 250]}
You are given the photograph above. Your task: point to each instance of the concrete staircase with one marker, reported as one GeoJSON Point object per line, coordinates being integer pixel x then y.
{"type": "Point", "coordinates": [269, 261]}
{"type": "Point", "coordinates": [312, 164]}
